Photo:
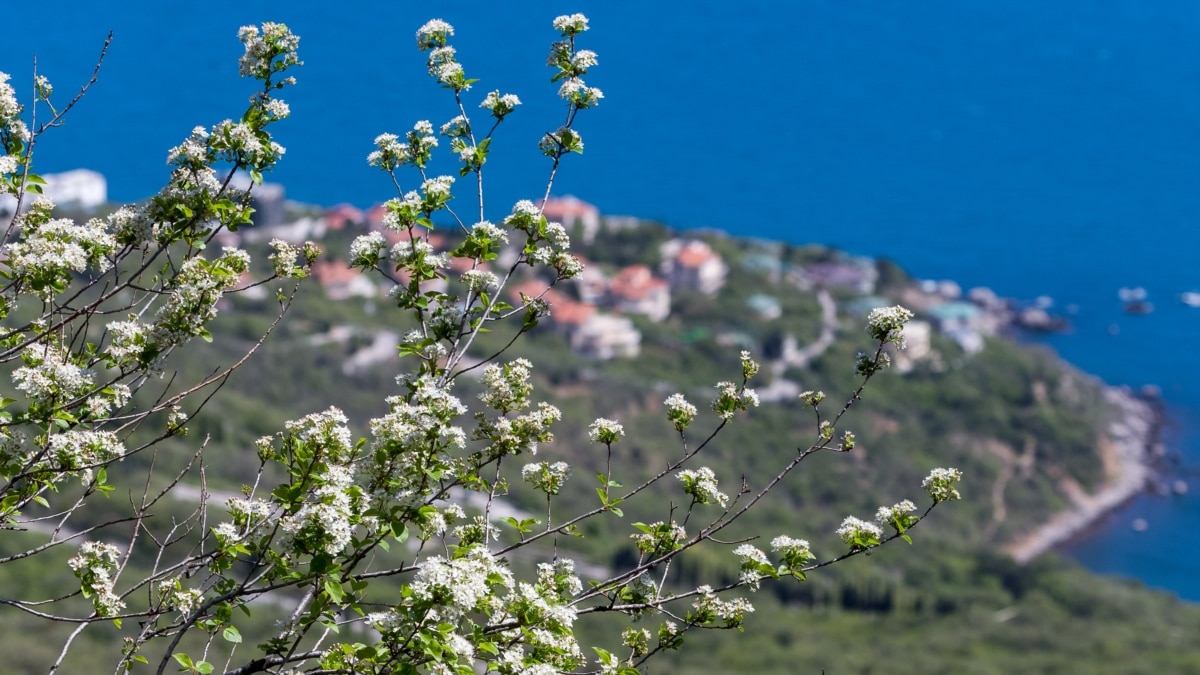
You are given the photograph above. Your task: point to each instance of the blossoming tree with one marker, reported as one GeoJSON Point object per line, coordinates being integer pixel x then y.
{"type": "Point", "coordinates": [363, 550]}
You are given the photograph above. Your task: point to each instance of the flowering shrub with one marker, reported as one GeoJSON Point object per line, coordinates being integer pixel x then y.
{"type": "Point", "coordinates": [319, 540]}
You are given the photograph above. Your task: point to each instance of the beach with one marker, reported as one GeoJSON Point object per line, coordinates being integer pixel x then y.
{"type": "Point", "coordinates": [1127, 458]}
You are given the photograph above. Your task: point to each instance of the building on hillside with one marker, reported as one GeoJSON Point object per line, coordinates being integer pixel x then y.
{"type": "Point", "coordinates": [343, 216]}
{"type": "Point", "coordinates": [80, 188]}
{"type": "Point", "coordinates": [604, 336]}
{"type": "Point", "coordinates": [767, 307]}
{"type": "Point", "coordinates": [341, 281]}
{"type": "Point", "coordinates": [588, 332]}
{"type": "Point", "coordinates": [570, 211]}
{"type": "Point", "coordinates": [591, 284]}
{"type": "Point", "coordinates": [693, 265]}
{"type": "Point", "coordinates": [856, 274]}
{"type": "Point", "coordinates": [635, 290]}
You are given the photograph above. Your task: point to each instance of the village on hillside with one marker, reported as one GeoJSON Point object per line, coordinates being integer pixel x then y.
{"type": "Point", "coordinates": [592, 312]}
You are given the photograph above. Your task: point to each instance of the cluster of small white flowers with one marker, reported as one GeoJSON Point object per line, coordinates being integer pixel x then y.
{"type": "Point", "coordinates": [93, 566]}
{"type": "Point", "coordinates": [500, 105]}
{"type": "Point", "coordinates": [679, 411]}
{"type": "Point", "coordinates": [80, 451]}
{"type": "Point", "coordinates": [327, 518]}
{"type": "Point", "coordinates": [459, 585]}
{"type": "Point", "coordinates": [410, 252]}
{"type": "Point", "coordinates": [193, 151]}
{"type": "Point", "coordinates": [367, 249]}
{"type": "Point", "coordinates": [433, 34]}
{"type": "Point", "coordinates": [439, 186]}
{"type": "Point", "coordinates": [887, 514]}
{"type": "Point", "coordinates": [790, 546]}
{"type": "Point", "coordinates": [8, 164]}
{"type": "Point", "coordinates": [100, 404]}
{"type": "Point", "coordinates": [56, 249]}
{"type": "Point", "coordinates": [605, 431]}
{"type": "Point", "coordinates": [183, 600]}
{"type": "Point", "coordinates": [546, 476]}
{"type": "Point", "coordinates": [130, 225]}
{"type": "Point", "coordinates": [50, 374]}
{"type": "Point", "coordinates": [940, 484]}
{"type": "Point", "coordinates": [249, 513]}
{"type": "Point", "coordinates": [732, 398]}
{"type": "Point", "coordinates": [413, 422]}
{"type": "Point", "coordinates": [278, 109]}
{"type": "Point", "coordinates": [284, 257]}
{"type": "Point", "coordinates": [647, 542]}
{"type": "Point", "coordinates": [751, 558]}
{"type": "Point", "coordinates": [572, 24]}
{"type": "Point", "coordinates": [436, 521]}
{"type": "Point", "coordinates": [10, 120]}
{"type": "Point", "coordinates": [459, 126]}
{"type": "Point", "coordinates": [486, 230]}
{"type": "Point", "coordinates": [387, 146]}
{"type": "Point", "coordinates": [701, 484]}
{"type": "Point", "coordinates": [274, 38]}
{"type": "Point", "coordinates": [192, 301]}
{"type": "Point", "coordinates": [328, 430]}
{"type": "Point", "coordinates": [751, 553]}
{"type": "Point", "coordinates": [480, 281]}
{"type": "Point", "coordinates": [236, 137]}
{"type": "Point", "coordinates": [732, 612]}
{"type": "Point", "coordinates": [507, 386]}
{"type": "Point", "coordinates": [584, 59]}
{"type": "Point", "coordinates": [577, 92]}
{"type": "Point", "coordinates": [126, 340]}
{"type": "Point", "coordinates": [887, 324]}
{"type": "Point", "coordinates": [442, 64]}
{"type": "Point", "coordinates": [853, 528]}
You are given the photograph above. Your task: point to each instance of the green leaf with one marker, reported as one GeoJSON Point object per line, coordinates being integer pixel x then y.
{"type": "Point", "coordinates": [231, 634]}
{"type": "Point", "coordinates": [184, 660]}
{"type": "Point", "coordinates": [334, 591]}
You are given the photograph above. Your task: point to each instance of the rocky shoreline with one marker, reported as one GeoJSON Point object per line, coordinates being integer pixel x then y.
{"type": "Point", "coordinates": [1128, 455]}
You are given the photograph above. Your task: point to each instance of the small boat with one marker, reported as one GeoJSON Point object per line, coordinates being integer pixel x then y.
{"type": "Point", "coordinates": [1190, 298]}
{"type": "Point", "coordinates": [1137, 294]}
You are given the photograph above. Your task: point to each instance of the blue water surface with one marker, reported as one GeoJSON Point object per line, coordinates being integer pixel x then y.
{"type": "Point", "coordinates": [1038, 148]}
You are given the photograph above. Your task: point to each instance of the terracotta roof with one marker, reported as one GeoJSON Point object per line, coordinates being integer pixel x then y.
{"type": "Point", "coordinates": [567, 208]}
{"type": "Point", "coordinates": [695, 254]}
{"type": "Point", "coordinates": [635, 282]}
{"type": "Point", "coordinates": [330, 272]}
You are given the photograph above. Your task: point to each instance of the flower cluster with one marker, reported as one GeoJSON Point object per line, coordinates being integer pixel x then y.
{"type": "Point", "coordinates": [546, 476]}
{"type": "Point", "coordinates": [79, 452]}
{"type": "Point", "coordinates": [940, 484]}
{"type": "Point", "coordinates": [268, 51]}
{"type": "Point", "coordinates": [507, 386]}
{"type": "Point", "coordinates": [51, 252]}
{"type": "Point", "coordinates": [658, 538]}
{"type": "Point", "coordinates": [731, 398]}
{"type": "Point", "coordinates": [898, 516]}
{"type": "Point", "coordinates": [886, 324]}
{"type": "Point", "coordinates": [94, 566]}
{"type": "Point", "coordinates": [709, 609]}
{"type": "Point", "coordinates": [701, 484]}
{"type": "Point", "coordinates": [795, 554]}
{"type": "Point", "coordinates": [679, 411]}
{"type": "Point", "coordinates": [49, 374]}
{"type": "Point", "coordinates": [500, 105]}
{"type": "Point", "coordinates": [605, 431]}
{"type": "Point", "coordinates": [859, 534]}
{"type": "Point", "coordinates": [172, 594]}
{"type": "Point", "coordinates": [754, 565]}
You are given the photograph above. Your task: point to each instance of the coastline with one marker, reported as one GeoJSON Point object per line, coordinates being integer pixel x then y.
{"type": "Point", "coordinates": [1127, 456]}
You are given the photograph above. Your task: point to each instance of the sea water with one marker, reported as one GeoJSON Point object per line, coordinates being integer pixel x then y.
{"type": "Point", "coordinates": [1037, 148]}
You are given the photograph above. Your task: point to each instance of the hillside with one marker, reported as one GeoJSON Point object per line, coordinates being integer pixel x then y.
{"type": "Point", "coordinates": [1033, 436]}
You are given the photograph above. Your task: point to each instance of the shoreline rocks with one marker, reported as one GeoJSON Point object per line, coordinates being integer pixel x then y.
{"type": "Point", "coordinates": [1128, 458]}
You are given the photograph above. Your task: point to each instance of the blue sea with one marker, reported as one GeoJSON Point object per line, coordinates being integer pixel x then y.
{"type": "Point", "coordinates": [1037, 148]}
